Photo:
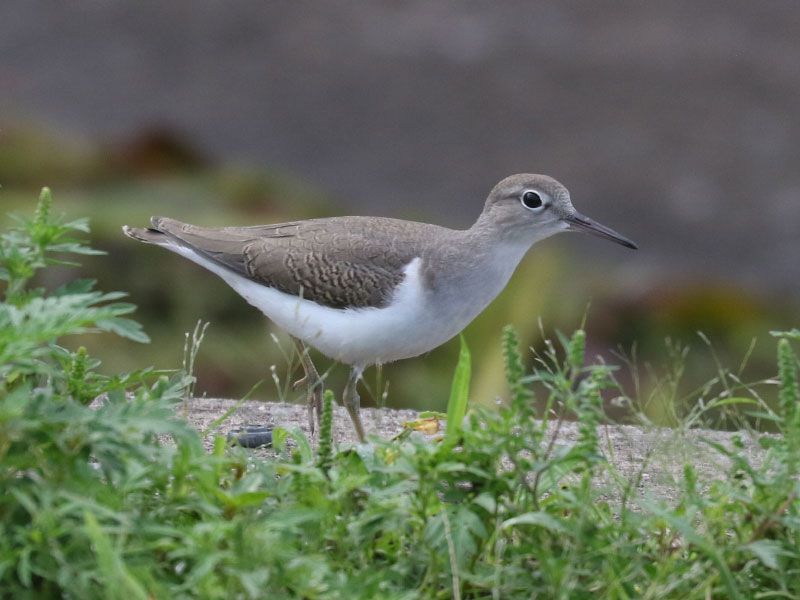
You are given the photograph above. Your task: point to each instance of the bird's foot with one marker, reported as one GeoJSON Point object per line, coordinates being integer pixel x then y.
{"type": "Point", "coordinates": [314, 402]}
{"type": "Point", "coordinates": [313, 383]}
{"type": "Point", "coordinates": [353, 403]}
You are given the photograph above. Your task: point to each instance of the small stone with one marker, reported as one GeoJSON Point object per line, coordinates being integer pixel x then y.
{"type": "Point", "coordinates": [251, 436]}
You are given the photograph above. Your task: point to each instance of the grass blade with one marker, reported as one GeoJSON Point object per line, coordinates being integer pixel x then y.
{"type": "Point", "coordinates": [459, 393]}
{"type": "Point", "coordinates": [118, 580]}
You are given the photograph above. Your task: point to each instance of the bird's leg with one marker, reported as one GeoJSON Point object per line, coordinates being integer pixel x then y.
{"type": "Point", "coordinates": [312, 381]}
{"type": "Point", "coordinates": [352, 402]}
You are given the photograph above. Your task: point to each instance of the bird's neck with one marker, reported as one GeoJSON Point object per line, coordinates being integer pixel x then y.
{"type": "Point", "coordinates": [470, 269]}
{"type": "Point", "coordinates": [497, 242]}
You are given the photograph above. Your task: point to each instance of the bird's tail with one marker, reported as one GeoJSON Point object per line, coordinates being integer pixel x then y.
{"type": "Point", "coordinates": [148, 236]}
{"type": "Point", "coordinates": [159, 234]}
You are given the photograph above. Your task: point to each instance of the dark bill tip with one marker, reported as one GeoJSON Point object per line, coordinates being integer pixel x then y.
{"type": "Point", "coordinates": [578, 222]}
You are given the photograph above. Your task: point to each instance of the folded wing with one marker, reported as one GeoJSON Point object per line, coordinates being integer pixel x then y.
{"type": "Point", "coordinates": [339, 262]}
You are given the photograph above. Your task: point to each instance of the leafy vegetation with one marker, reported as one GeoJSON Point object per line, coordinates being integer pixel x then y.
{"type": "Point", "coordinates": [121, 499]}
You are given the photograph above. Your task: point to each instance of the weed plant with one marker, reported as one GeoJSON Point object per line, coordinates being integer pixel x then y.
{"type": "Point", "coordinates": [120, 499]}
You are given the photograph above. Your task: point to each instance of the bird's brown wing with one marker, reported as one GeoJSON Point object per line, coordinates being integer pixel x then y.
{"type": "Point", "coordinates": [338, 262]}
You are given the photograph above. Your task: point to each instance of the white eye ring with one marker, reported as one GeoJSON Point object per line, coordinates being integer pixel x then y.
{"type": "Point", "coordinates": [533, 200]}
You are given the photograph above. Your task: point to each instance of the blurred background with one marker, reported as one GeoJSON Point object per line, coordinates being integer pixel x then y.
{"type": "Point", "coordinates": [677, 124]}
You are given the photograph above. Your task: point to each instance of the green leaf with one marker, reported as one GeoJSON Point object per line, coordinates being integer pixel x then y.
{"type": "Point", "coordinates": [767, 552]}
{"type": "Point", "coordinates": [76, 286]}
{"type": "Point", "coordinates": [431, 414]}
{"type": "Point", "coordinates": [459, 393]}
{"type": "Point", "coordinates": [764, 416]}
{"type": "Point", "coordinates": [541, 519]}
{"type": "Point", "coordinates": [466, 527]}
{"type": "Point", "coordinates": [81, 224]}
{"type": "Point", "coordinates": [712, 552]}
{"type": "Point", "coordinates": [126, 328]}
{"type": "Point", "coordinates": [793, 334]}
{"type": "Point", "coordinates": [725, 401]}
{"type": "Point", "coordinates": [247, 499]}
{"type": "Point", "coordinates": [487, 502]}
{"type": "Point", "coordinates": [118, 580]}
{"type": "Point", "coordinates": [279, 435]}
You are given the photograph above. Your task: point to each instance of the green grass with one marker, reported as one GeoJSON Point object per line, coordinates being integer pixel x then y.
{"type": "Point", "coordinates": [122, 500]}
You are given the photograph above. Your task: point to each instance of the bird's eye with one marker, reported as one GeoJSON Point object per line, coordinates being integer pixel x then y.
{"type": "Point", "coordinates": [532, 200]}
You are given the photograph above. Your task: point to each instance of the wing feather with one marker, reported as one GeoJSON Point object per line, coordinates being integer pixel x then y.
{"type": "Point", "coordinates": [338, 262]}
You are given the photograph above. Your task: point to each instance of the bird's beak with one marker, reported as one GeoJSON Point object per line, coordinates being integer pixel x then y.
{"type": "Point", "coordinates": [577, 222]}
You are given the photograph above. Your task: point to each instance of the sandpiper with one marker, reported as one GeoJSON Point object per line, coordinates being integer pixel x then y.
{"type": "Point", "coordinates": [367, 290]}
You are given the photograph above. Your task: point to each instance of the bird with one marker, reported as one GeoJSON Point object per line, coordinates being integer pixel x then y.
{"type": "Point", "coordinates": [372, 290]}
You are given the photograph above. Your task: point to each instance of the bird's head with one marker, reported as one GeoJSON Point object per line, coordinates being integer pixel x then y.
{"type": "Point", "coordinates": [534, 207]}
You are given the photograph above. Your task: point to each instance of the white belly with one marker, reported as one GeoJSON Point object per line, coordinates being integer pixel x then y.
{"type": "Point", "coordinates": [408, 326]}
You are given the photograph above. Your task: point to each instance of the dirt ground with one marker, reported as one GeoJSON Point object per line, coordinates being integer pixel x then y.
{"type": "Point", "coordinates": [654, 457]}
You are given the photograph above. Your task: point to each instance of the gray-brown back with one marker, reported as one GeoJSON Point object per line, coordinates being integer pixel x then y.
{"type": "Point", "coordinates": [338, 262]}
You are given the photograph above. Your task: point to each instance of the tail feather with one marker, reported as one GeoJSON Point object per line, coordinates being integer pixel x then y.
{"type": "Point", "coordinates": [148, 236]}
{"type": "Point", "coordinates": [194, 243]}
